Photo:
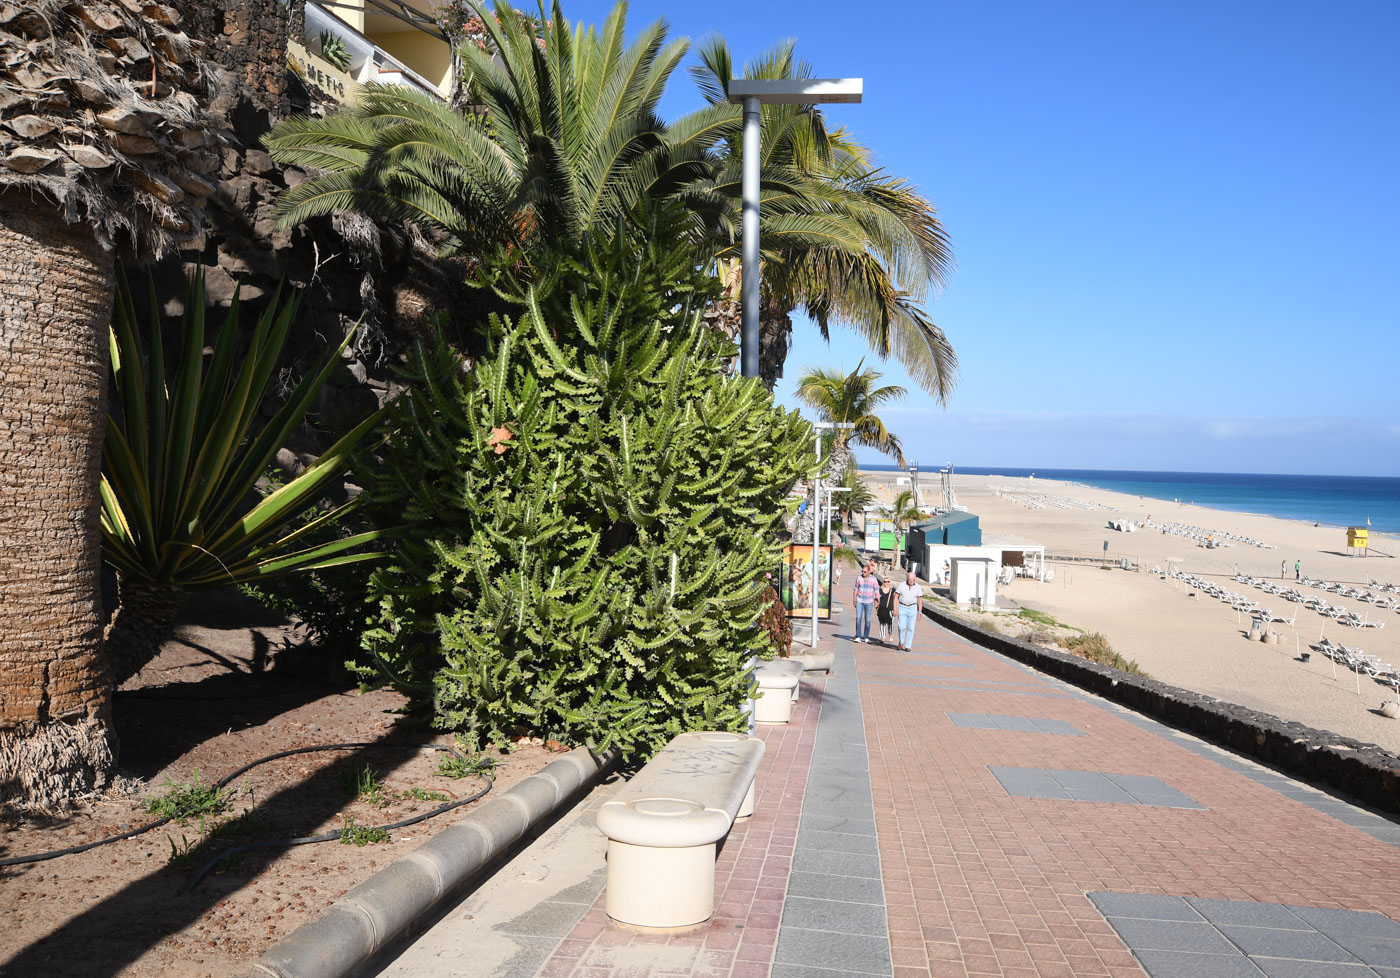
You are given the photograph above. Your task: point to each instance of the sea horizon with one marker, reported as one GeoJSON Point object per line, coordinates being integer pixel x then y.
{"type": "Point", "coordinates": [1332, 500]}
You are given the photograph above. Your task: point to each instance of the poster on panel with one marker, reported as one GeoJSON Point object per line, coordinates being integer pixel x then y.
{"type": "Point", "coordinates": [796, 580]}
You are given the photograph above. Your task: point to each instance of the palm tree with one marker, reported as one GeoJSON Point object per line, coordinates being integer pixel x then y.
{"type": "Point", "coordinates": [113, 153]}
{"type": "Point", "coordinates": [569, 139]}
{"type": "Point", "coordinates": [904, 512]}
{"type": "Point", "coordinates": [853, 399]}
{"type": "Point", "coordinates": [843, 240]}
{"type": "Point", "coordinates": [857, 495]}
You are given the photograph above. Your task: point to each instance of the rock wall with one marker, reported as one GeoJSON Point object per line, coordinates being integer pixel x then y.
{"type": "Point", "coordinates": [1364, 771]}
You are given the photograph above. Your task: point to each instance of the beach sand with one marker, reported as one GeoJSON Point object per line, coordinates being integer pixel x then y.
{"type": "Point", "coordinates": [1199, 642]}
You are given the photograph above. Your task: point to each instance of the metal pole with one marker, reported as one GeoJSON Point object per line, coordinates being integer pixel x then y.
{"type": "Point", "coordinates": [749, 281]}
{"type": "Point", "coordinates": [816, 538]}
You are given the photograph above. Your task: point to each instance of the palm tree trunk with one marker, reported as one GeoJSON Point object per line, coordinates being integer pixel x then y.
{"type": "Point", "coordinates": [55, 693]}
{"type": "Point", "coordinates": [143, 621]}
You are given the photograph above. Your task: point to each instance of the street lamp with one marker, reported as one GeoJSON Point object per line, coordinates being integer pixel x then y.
{"type": "Point", "coordinates": [820, 426]}
{"type": "Point", "coordinates": [751, 93]}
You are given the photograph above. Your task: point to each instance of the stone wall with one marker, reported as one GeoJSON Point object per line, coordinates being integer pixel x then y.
{"type": "Point", "coordinates": [1364, 771]}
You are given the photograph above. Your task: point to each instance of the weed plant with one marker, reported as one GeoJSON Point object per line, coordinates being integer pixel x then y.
{"type": "Point", "coordinates": [1094, 647]}
{"type": "Point", "coordinates": [354, 834]}
{"type": "Point", "coordinates": [188, 799]}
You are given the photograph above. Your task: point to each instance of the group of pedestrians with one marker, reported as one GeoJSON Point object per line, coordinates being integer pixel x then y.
{"type": "Point", "coordinates": [899, 604]}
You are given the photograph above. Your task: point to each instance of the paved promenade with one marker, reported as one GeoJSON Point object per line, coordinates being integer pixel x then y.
{"type": "Point", "coordinates": [949, 812]}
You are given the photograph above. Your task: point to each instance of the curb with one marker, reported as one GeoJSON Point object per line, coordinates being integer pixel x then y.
{"type": "Point", "coordinates": [1363, 771]}
{"type": "Point", "coordinates": [370, 916]}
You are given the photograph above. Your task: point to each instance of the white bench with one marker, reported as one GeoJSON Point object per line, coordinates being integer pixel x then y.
{"type": "Point", "coordinates": [664, 824]}
{"type": "Point", "coordinates": [815, 661]}
{"type": "Point", "coordinates": [779, 684]}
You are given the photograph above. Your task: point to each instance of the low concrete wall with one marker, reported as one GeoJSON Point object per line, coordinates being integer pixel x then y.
{"type": "Point", "coordinates": [368, 917]}
{"type": "Point", "coordinates": [1364, 771]}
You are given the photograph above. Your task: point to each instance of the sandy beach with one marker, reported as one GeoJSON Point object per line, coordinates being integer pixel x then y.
{"type": "Point", "coordinates": [1182, 636]}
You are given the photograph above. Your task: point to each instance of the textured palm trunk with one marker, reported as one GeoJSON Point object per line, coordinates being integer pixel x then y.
{"type": "Point", "coordinates": [55, 692]}
{"type": "Point", "coordinates": [143, 621]}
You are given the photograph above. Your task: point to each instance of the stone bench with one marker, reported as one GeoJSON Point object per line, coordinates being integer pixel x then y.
{"type": "Point", "coordinates": [664, 824]}
{"type": "Point", "coordinates": [779, 684]}
{"type": "Point", "coordinates": [815, 661]}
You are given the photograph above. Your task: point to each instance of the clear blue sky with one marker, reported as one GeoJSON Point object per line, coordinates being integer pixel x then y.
{"type": "Point", "coordinates": [1177, 225]}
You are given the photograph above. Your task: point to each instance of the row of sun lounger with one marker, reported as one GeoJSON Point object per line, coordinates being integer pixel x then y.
{"type": "Point", "coordinates": [1359, 593]}
{"type": "Point", "coordinates": [1040, 500]}
{"type": "Point", "coordinates": [1214, 538]}
{"type": "Point", "coordinates": [1334, 611]}
{"type": "Point", "coordinates": [1359, 661]}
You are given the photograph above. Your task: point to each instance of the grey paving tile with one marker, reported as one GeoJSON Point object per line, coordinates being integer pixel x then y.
{"type": "Point", "coordinates": [1334, 922]}
{"type": "Point", "coordinates": [799, 971]}
{"type": "Point", "coordinates": [838, 842]}
{"type": "Point", "coordinates": [848, 953]}
{"type": "Point", "coordinates": [585, 891]}
{"type": "Point", "coordinates": [823, 886]}
{"type": "Point", "coordinates": [1276, 943]}
{"type": "Point", "coordinates": [1371, 950]}
{"type": "Point", "coordinates": [1387, 972]}
{"type": "Point", "coordinates": [1144, 905]}
{"type": "Point", "coordinates": [528, 959]}
{"type": "Point", "coordinates": [977, 721]}
{"type": "Point", "coordinates": [544, 920]}
{"type": "Point", "coordinates": [848, 824]}
{"type": "Point", "coordinates": [1139, 783]}
{"type": "Point", "coordinates": [1184, 964]}
{"type": "Point", "coordinates": [1172, 935]}
{"type": "Point", "coordinates": [1078, 779]}
{"type": "Point", "coordinates": [836, 863]}
{"type": "Point", "coordinates": [1287, 968]}
{"type": "Point", "coordinates": [1102, 793]}
{"type": "Point", "coordinates": [835, 916]}
{"type": "Point", "coordinates": [1173, 799]}
{"type": "Point", "coordinates": [1251, 914]}
{"type": "Point", "coordinates": [1045, 725]}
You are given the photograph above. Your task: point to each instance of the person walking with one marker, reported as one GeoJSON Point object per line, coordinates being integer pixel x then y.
{"type": "Point", "coordinates": [1297, 570]}
{"type": "Point", "coordinates": [884, 610]}
{"type": "Point", "coordinates": [863, 596]}
{"type": "Point", "coordinates": [1283, 569]}
{"type": "Point", "coordinates": [910, 597]}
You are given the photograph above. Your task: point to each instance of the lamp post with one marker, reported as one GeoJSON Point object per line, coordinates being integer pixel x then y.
{"type": "Point", "coordinates": [752, 93]}
{"type": "Point", "coordinates": [820, 426]}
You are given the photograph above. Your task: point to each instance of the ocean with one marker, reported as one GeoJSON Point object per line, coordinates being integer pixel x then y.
{"type": "Point", "coordinates": [1334, 500]}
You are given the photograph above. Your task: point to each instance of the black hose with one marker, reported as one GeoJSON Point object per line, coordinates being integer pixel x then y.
{"type": "Point", "coordinates": [41, 856]}
{"type": "Point", "coordinates": [332, 836]}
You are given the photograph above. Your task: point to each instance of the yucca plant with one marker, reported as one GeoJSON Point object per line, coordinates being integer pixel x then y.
{"type": "Point", "coordinates": [181, 463]}
{"type": "Point", "coordinates": [333, 49]}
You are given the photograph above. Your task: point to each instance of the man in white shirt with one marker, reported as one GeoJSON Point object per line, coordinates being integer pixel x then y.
{"type": "Point", "coordinates": [910, 596]}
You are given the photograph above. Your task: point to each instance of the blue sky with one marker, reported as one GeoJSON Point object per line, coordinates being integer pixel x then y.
{"type": "Point", "coordinates": [1177, 225]}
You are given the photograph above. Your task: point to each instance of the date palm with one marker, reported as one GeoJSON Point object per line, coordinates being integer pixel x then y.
{"type": "Point", "coordinates": [853, 398]}
{"type": "Point", "coordinates": [568, 139]}
{"type": "Point", "coordinates": [105, 148]}
{"type": "Point", "coordinates": [905, 512]}
{"type": "Point", "coordinates": [844, 241]}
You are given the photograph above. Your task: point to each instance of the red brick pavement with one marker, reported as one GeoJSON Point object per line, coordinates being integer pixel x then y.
{"type": "Point", "coordinates": [751, 878]}
{"type": "Point", "coordinates": [981, 883]}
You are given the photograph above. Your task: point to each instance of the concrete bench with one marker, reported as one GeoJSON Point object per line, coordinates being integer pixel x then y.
{"type": "Point", "coordinates": [779, 684]}
{"type": "Point", "coordinates": [815, 661]}
{"type": "Point", "coordinates": [664, 824]}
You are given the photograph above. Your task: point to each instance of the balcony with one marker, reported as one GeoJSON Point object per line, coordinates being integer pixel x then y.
{"type": "Point", "coordinates": [395, 43]}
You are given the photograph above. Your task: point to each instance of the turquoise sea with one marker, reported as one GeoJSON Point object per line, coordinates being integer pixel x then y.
{"type": "Point", "coordinates": [1334, 500]}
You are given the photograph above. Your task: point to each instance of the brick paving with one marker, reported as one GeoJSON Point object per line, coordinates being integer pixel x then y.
{"type": "Point", "coordinates": [980, 882]}
{"type": "Point", "coordinates": [751, 878]}
{"type": "Point", "coordinates": [896, 834]}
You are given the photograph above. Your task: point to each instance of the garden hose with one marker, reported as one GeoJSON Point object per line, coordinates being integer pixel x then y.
{"type": "Point", "coordinates": [224, 782]}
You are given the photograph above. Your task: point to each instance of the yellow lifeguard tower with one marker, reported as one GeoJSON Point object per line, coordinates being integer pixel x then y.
{"type": "Point", "coordinates": [1357, 540]}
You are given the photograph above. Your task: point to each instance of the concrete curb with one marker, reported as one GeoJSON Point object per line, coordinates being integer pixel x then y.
{"type": "Point", "coordinates": [1362, 770]}
{"type": "Point", "coordinates": [372, 914]}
